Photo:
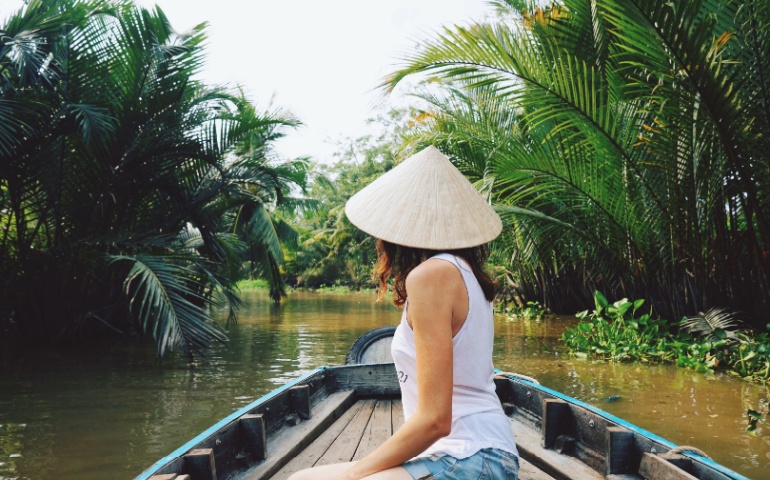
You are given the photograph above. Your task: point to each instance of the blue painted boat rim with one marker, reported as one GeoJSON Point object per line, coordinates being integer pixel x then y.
{"type": "Point", "coordinates": [221, 424]}
{"type": "Point", "coordinates": [638, 430]}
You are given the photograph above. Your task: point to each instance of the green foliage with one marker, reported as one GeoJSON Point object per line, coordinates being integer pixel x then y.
{"type": "Point", "coordinates": [716, 324]}
{"type": "Point", "coordinates": [335, 289]}
{"type": "Point", "coordinates": [619, 332]}
{"type": "Point", "coordinates": [130, 193]}
{"type": "Point", "coordinates": [713, 340]}
{"type": "Point", "coordinates": [622, 141]}
{"type": "Point", "coordinates": [698, 356]}
{"type": "Point", "coordinates": [331, 251]}
{"type": "Point", "coordinates": [253, 284]}
{"type": "Point", "coordinates": [528, 311]}
{"type": "Point", "coordinates": [749, 357]}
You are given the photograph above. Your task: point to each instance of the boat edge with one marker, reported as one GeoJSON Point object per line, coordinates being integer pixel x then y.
{"type": "Point", "coordinates": [630, 426]}
{"type": "Point", "coordinates": [178, 452]}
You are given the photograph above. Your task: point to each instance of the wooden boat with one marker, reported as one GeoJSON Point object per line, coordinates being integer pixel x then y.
{"type": "Point", "coordinates": [339, 414]}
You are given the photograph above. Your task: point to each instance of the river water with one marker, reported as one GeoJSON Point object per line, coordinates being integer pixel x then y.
{"type": "Point", "coordinates": [109, 412]}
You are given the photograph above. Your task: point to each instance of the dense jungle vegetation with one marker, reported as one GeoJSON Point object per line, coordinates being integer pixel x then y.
{"type": "Point", "coordinates": [624, 143]}
{"type": "Point", "coordinates": [132, 196]}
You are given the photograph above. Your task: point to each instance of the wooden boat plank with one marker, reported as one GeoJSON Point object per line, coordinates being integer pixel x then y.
{"type": "Point", "coordinates": [653, 466]}
{"type": "Point", "coordinates": [591, 437]}
{"type": "Point", "coordinates": [620, 451]}
{"type": "Point", "coordinates": [348, 434]}
{"type": "Point", "coordinates": [313, 452]}
{"type": "Point", "coordinates": [711, 472]}
{"type": "Point", "coordinates": [558, 466]}
{"type": "Point", "coordinates": [253, 435]}
{"type": "Point", "coordinates": [377, 430]}
{"type": "Point", "coordinates": [274, 410]}
{"type": "Point", "coordinates": [223, 436]}
{"type": "Point", "coordinates": [527, 471]}
{"type": "Point", "coordinates": [199, 463]}
{"type": "Point", "coordinates": [527, 400]}
{"type": "Point", "coordinates": [344, 447]}
{"type": "Point", "coordinates": [223, 445]}
{"type": "Point", "coordinates": [367, 380]}
{"type": "Point", "coordinates": [289, 441]}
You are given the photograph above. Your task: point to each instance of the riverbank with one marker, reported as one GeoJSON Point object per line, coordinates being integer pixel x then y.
{"type": "Point", "coordinates": [261, 284]}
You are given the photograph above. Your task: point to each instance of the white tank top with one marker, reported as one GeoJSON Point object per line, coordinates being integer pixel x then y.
{"type": "Point", "coordinates": [478, 420]}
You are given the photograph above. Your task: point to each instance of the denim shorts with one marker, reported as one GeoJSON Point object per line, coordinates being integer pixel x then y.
{"type": "Point", "coordinates": [486, 464]}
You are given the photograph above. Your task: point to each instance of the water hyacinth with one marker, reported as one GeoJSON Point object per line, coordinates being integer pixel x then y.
{"type": "Point", "coordinates": [619, 331]}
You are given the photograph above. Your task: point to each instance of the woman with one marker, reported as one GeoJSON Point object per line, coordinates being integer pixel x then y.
{"type": "Point", "coordinates": [432, 226]}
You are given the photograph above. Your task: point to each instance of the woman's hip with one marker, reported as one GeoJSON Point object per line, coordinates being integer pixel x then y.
{"type": "Point", "coordinates": [486, 464]}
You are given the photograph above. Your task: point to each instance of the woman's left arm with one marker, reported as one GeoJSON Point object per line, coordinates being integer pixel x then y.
{"type": "Point", "coordinates": [432, 291]}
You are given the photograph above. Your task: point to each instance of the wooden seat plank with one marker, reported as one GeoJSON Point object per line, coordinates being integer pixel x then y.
{"type": "Point", "coordinates": [310, 455]}
{"type": "Point", "coordinates": [344, 447]}
{"type": "Point", "coordinates": [654, 466]}
{"type": "Point", "coordinates": [377, 431]}
{"type": "Point", "coordinates": [550, 462]}
{"type": "Point", "coordinates": [527, 471]}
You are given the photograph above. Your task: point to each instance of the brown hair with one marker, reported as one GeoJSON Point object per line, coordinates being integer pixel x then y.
{"type": "Point", "coordinates": [402, 260]}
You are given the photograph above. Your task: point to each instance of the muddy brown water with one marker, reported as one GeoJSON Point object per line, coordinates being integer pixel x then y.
{"type": "Point", "coordinates": [110, 412]}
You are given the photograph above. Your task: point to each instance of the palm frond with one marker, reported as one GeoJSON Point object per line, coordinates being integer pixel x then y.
{"type": "Point", "coordinates": [609, 134]}
{"type": "Point", "coordinates": [709, 325]}
{"type": "Point", "coordinates": [109, 145]}
{"type": "Point", "coordinates": [164, 295]}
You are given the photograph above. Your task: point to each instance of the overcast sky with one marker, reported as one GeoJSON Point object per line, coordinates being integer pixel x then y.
{"type": "Point", "coordinates": [320, 59]}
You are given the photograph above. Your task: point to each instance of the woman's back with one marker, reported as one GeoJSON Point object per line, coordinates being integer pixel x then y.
{"type": "Point", "coordinates": [477, 418]}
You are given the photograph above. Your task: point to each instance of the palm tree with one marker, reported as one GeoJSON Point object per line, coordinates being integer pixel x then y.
{"type": "Point", "coordinates": [624, 140]}
{"type": "Point", "coordinates": [262, 190]}
{"type": "Point", "coordinates": [113, 161]}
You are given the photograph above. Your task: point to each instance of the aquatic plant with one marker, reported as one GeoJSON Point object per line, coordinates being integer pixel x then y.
{"type": "Point", "coordinates": [620, 332]}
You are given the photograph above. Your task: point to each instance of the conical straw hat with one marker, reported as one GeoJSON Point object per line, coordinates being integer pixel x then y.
{"type": "Point", "coordinates": [424, 202]}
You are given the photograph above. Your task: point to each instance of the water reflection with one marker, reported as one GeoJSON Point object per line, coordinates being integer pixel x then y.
{"type": "Point", "coordinates": [94, 414]}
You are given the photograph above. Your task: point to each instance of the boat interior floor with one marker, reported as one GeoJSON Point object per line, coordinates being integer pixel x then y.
{"type": "Point", "coordinates": [361, 429]}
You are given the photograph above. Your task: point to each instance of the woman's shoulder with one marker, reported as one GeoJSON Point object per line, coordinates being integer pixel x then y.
{"type": "Point", "coordinates": [433, 271]}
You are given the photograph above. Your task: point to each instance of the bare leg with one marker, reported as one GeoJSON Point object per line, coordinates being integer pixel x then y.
{"type": "Point", "coordinates": [395, 473]}
{"type": "Point", "coordinates": [325, 472]}
{"type": "Point", "coordinates": [328, 472]}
